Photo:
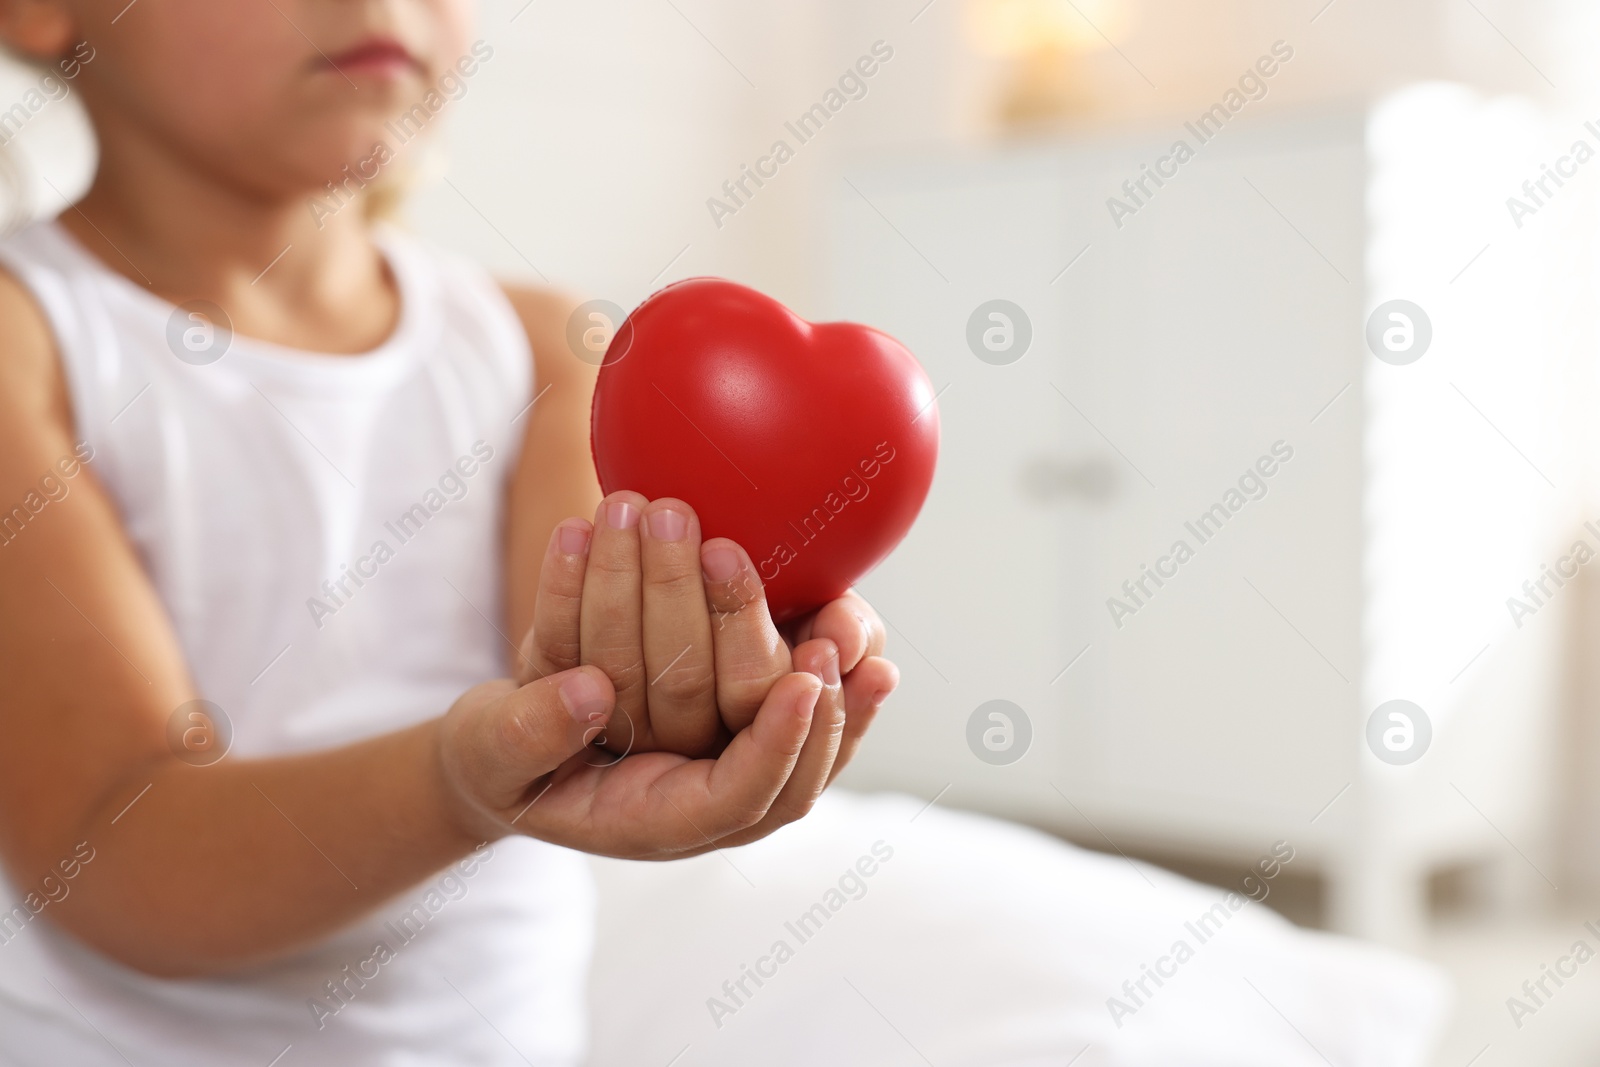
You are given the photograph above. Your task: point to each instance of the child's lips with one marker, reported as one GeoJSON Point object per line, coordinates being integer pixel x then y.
{"type": "Point", "coordinates": [381, 56]}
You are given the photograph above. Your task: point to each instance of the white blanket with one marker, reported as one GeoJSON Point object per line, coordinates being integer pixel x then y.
{"type": "Point", "coordinates": [869, 934]}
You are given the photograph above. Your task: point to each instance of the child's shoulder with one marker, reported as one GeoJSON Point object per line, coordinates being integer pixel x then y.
{"type": "Point", "coordinates": [36, 420]}
{"type": "Point", "coordinates": [546, 315]}
{"type": "Point", "coordinates": [540, 307]}
{"type": "Point", "coordinates": [31, 384]}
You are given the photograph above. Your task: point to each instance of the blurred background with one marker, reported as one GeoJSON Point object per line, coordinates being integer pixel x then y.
{"type": "Point", "coordinates": [1126, 337]}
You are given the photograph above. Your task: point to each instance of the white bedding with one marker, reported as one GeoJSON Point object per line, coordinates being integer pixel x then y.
{"type": "Point", "coordinates": [977, 942]}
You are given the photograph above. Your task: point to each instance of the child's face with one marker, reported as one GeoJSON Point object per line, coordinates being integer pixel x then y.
{"type": "Point", "coordinates": [277, 95]}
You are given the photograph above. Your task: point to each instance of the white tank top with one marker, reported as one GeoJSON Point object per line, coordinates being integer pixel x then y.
{"type": "Point", "coordinates": [246, 483]}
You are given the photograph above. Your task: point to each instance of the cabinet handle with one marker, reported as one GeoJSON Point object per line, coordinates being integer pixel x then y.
{"type": "Point", "coordinates": [1053, 478]}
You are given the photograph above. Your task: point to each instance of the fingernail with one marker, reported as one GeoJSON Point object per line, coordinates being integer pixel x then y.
{"type": "Point", "coordinates": [669, 525]}
{"type": "Point", "coordinates": [621, 515]}
{"type": "Point", "coordinates": [808, 704]}
{"type": "Point", "coordinates": [880, 696]}
{"type": "Point", "coordinates": [830, 669]}
{"type": "Point", "coordinates": [573, 540]}
{"type": "Point", "coordinates": [720, 563]}
{"type": "Point", "coordinates": [584, 697]}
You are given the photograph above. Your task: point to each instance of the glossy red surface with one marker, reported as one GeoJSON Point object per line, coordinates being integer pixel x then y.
{"type": "Point", "coordinates": [813, 446]}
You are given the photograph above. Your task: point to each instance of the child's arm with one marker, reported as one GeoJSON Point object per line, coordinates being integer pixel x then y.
{"type": "Point", "coordinates": [206, 869]}
{"type": "Point", "coordinates": [555, 475]}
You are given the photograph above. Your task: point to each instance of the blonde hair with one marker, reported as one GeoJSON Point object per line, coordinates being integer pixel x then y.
{"type": "Point", "coordinates": [385, 197]}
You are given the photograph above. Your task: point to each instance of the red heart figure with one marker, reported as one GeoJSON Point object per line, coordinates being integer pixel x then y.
{"type": "Point", "coordinates": [812, 446]}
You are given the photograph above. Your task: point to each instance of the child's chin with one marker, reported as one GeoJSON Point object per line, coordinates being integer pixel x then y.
{"type": "Point", "coordinates": [349, 159]}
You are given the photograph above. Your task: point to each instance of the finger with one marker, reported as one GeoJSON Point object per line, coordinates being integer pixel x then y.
{"type": "Point", "coordinates": [852, 624]}
{"type": "Point", "coordinates": [739, 787]}
{"type": "Point", "coordinates": [865, 690]}
{"type": "Point", "coordinates": [609, 618]}
{"type": "Point", "coordinates": [528, 732]}
{"type": "Point", "coordinates": [552, 645]}
{"type": "Point", "coordinates": [678, 657]}
{"type": "Point", "coordinates": [813, 769]}
{"type": "Point", "coordinates": [750, 655]}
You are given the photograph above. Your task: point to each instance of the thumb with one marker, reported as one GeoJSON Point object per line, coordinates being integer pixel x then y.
{"type": "Point", "coordinates": [526, 733]}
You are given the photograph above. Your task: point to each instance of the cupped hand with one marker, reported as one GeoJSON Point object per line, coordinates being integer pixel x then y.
{"type": "Point", "coordinates": [681, 628]}
{"type": "Point", "coordinates": [658, 712]}
{"type": "Point", "coordinates": [519, 759]}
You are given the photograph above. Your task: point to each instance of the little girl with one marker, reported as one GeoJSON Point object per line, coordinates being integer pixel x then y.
{"type": "Point", "coordinates": [279, 494]}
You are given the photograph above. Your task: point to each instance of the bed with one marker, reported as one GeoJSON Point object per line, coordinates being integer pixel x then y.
{"type": "Point", "coordinates": [881, 931]}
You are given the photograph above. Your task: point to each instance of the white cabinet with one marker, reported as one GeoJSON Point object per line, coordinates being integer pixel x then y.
{"type": "Point", "coordinates": [1220, 327]}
